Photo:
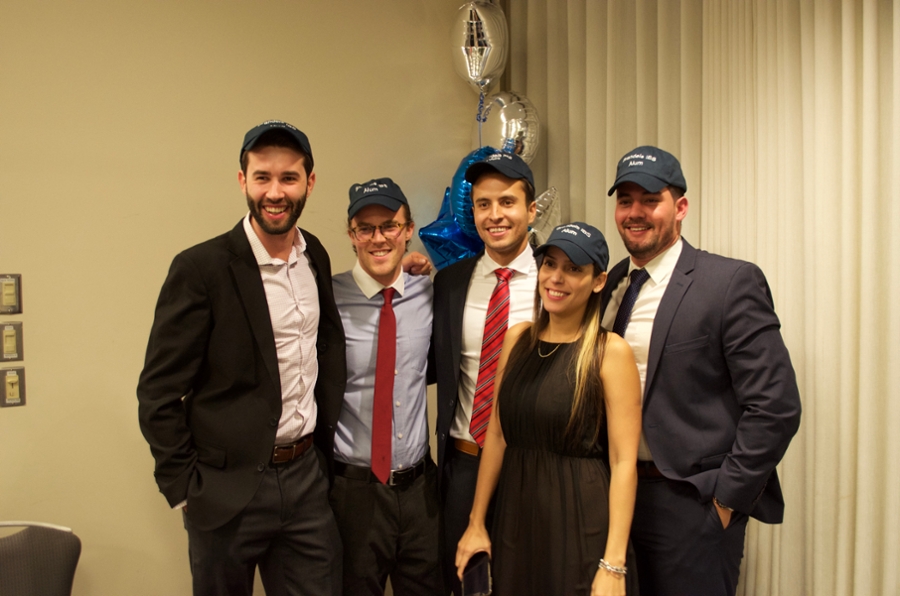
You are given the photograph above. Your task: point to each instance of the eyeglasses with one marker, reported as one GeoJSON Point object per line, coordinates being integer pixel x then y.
{"type": "Point", "coordinates": [389, 230]}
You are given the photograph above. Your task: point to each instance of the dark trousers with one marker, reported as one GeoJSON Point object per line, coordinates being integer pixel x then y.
{"type": "Point", "coordinates": [681, 547]}
{"type": "Point", "coordinates": [458, 488]}
{"type": "Point", "coordinates": [287, 530]}
{"type": "Point", "coordinates": [390, 531]}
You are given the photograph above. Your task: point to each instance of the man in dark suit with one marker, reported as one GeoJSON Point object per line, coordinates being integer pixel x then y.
{"type": "Point", "coordinates": [720, 399]}
{"type": "Point", "coordinates": [243, 383]}
{"type": "Point", "coordinates": [503, 207]}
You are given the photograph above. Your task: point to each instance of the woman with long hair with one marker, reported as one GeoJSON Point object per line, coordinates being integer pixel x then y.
{"type": "Point", "coordinates": [561, 447]}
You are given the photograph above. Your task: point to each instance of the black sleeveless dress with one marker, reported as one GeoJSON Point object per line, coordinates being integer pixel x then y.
{"type": "Point", "coordinates": [552, 504]}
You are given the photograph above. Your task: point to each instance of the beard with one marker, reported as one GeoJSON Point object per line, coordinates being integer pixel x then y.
{"type": "Point", "coordinates": [648, 248]}
{"type": "Point", "coordinates": [294, 209]}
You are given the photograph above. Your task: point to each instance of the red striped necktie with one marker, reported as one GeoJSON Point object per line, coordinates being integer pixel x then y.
{"type": "Point", "coordinates": [495, 324]}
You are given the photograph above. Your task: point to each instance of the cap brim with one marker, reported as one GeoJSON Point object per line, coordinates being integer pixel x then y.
{"type": "Point", "coordinates": [575, 253]}
{"type": "Point", "coordinates": [385, 201]}
{"type": "Point", "coordinates": [645, 181]}
{"type": "Point", "coordinates": [476, 170]}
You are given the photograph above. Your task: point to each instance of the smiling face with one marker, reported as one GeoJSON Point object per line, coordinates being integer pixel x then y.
{"type": "Point", "coordinates": [276, 187]}
{"type": "Point", "coordinates": [648, 222]}
{"type": "Point", "coordinates": [564, 286]}
{"type": "Point", "coordinates": [381, 257]}
{"type": "Point", "coordinates": [502, 215]}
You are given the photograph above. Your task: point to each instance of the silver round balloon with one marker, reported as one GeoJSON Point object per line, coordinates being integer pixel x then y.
{"type": "Point", "coordinates": [479, 42]}
{"type": "Point", "coordinates": [510, 123]}
{"type": "Point", "coordinates": [548, 215]}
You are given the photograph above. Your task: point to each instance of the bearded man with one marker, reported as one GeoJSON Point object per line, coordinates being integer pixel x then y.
{"type": "Point", "coordinates": [243, 383]}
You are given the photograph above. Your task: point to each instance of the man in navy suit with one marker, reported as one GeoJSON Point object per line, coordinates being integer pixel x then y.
{"type": "Point", "coordinates": [720, 398]}
{"type": "Point", "coordinates": [243, 383]}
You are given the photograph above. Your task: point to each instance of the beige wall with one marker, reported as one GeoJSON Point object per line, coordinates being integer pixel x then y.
{"type": "Point", "coordinates": [120, 126]}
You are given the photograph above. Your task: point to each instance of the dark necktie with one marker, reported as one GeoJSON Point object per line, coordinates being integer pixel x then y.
{"type": "Point", "coordinates": [382, 412]}
{"type": "Point", "coordinates": [495, 324]}
{"type": "Point", "coordinates": [638, 277]}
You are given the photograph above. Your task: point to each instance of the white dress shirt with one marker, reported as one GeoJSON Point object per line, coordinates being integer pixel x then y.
{"type": "Point", "coordinates": [640, 327]}
{"type": "Point", "coordinates": [521, 308]}
{"type": "Point", "coordinates": [293, 299]}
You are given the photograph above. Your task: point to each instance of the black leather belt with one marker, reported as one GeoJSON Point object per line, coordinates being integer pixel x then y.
{"type": "Point", "coordinates": [283, 454]}
{"type": "Point", "coordinates": [397, 477]}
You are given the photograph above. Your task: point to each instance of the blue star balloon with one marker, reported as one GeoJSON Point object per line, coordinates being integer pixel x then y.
{"type": "Point", "coordinates": [445, 241]}
{"type": "Point", "coordinates": [453, 236]}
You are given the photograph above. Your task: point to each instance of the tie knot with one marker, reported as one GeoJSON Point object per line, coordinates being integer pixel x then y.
{"type": "Point", "coordinates": [638, 277]}
{"type": "Point", "coordinates": [388, 294]}
{"type": "Point", "coordinates": [503, 274]}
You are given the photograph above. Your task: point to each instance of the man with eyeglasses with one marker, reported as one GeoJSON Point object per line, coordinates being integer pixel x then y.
{"type": "Point", "coordinates": [385, 492]}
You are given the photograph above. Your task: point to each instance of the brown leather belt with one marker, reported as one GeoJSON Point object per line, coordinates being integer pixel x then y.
{"type": "Point", "coordinates": [648, 469]}
{"type": "Point", "coordinates": [467, 447]}
{"type": "Point", "coordinates": [283, 454]}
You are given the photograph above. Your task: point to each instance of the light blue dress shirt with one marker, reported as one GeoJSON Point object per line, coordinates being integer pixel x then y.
{"type": "Point", "coordinates": [359, 302]}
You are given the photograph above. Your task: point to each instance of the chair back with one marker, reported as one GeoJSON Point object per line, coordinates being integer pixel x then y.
{"type": "Point", "coordinates": [38, 561]}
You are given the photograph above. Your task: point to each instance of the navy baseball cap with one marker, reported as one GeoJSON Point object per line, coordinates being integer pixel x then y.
{"type": "Point", "coordinates": [508, 164]}
{"type": "Point", "coordinates": [380, 191]}
{"type": "Point", "coordinates": [651, 168]}
{"type": "Point", "coordinates": [582, 243]}
{"type": "Point", "coordinates": [256, 133]}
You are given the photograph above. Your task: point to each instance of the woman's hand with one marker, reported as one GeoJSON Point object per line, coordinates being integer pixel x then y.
{"type": "Point", "coordinates": [475, 540]}
{"type": "Point", "coordinates": [607, 583]}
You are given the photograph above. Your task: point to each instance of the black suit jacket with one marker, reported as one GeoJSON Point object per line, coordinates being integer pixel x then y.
{"type": "Point", "coordinates": [212, 343]}
{"type": "Point", "coordinates": [721, 402]}
{"type": "Point", "coordinates": [451, 285]}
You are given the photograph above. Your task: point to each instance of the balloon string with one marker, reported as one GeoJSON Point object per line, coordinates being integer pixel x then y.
{"type": "Point", "coordinates": [479, 117]}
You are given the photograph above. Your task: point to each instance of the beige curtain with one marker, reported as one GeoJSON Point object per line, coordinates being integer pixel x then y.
{"type": "Point", "coordinates": [786, 117]}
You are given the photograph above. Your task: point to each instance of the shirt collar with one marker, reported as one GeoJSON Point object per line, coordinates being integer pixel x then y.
{"type": "Point", "coordinates": [370, 286]}
{"type": "Point", "coordinates": [259, 251]}
{"type": "Point", "coordinates": [663, 264]}
{"type": "Point", "coordinates": [521, 264]}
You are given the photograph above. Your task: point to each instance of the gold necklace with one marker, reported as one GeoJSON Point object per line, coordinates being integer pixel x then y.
{"type": "Point", "coordinates": [548, 354]}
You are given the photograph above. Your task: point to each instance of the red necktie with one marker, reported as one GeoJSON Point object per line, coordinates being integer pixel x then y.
{"type": "Point", "coordinates": [495, 324]}
{"type": "Point", "coordinates": [382, 412]}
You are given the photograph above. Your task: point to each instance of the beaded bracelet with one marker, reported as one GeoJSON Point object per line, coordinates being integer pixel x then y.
{"type": "Point", "coordinates": [612, 568]}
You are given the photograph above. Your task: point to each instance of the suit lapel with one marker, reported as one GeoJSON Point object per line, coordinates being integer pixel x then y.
{"type": "Point", "coordinates": [459, 290]}
{"type": "Point", "coordinates": [250, 289]}
{"type": "Point", "coordinates": [612, 282]}
{"type": "Point", "coordinates": [678, 285]}
{"type": "Point", "coordinates": [318, 260]}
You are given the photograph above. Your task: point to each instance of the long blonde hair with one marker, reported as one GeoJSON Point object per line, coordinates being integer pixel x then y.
{"type": "Point", "coordinates": [586, 418]}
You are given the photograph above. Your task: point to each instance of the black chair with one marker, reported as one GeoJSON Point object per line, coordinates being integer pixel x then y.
{"type": "Point", "coordinates": [39, 560]}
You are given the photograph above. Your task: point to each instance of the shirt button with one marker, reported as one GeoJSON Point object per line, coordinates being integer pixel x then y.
{"type": "Point", "coordinates": [395, 371]}
{"type": "Point", "coordinates": [399, 435]}
{"type": "Point", "coordinates": [261, 467]}
{"type": "Point", "coordinates": [397, 404]}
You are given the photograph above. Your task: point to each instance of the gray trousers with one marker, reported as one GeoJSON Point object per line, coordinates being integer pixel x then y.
{"type": "Point", "coordinates": [287, 530]}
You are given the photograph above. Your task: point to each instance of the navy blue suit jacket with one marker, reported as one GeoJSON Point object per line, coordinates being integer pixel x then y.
{"type": "Point", "coordinates": [721, 402]}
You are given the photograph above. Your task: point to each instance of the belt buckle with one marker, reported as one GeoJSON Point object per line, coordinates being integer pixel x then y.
{"type": "Point", "coordinates": [396, 477]}
{"type": "Point", "coordinates": [282, 451]}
